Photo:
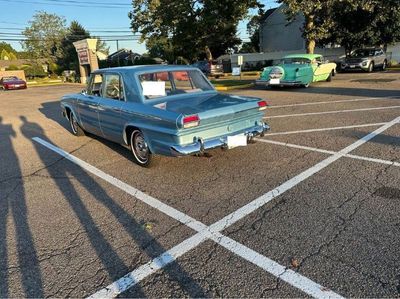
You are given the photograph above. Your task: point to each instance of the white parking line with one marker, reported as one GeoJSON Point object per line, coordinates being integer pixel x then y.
{"type": "Point", "coordinates": [332, 112]}
{"type": "Point", "coordinates": [204, 233]}
{"type": "Point", "coordinates": [318, 150]}
{"type": "Point", "coordinates": [326, 129]}
{"type": "Point", "coordinates": [213, 232]}
{"type": "Point", "coordinates": [333, 102]}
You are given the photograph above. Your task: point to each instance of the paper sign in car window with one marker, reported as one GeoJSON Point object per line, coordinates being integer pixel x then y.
{"type": "Point", "coordinates": [153, 88]}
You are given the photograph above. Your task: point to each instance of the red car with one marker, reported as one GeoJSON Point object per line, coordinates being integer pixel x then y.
{"type": "Point", "coordinates": [12, 82]}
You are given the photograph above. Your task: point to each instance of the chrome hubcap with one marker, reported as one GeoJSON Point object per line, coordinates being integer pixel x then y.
{"type": "Point", "coordinates": [74, 124]}
{"type": "Point", "coordinates": [141, 147]}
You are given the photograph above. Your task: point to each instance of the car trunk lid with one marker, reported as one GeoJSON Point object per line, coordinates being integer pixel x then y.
{"type": "Point", "coordinates": [215, 108]}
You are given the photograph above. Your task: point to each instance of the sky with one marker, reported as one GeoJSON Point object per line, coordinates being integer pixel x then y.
{"type": "Point", "coordinates": [92, 14]}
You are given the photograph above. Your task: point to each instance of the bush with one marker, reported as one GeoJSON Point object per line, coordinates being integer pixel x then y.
{"type": "Point", "coordinates": [12, 67]}
{"type": "Point", "coordinates": [35, 70]}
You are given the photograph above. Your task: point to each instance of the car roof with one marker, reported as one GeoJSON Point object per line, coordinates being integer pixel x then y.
{"type": "Point", "coordinates": [145, 68]}
{"type": "Point", "coordinates": [307, 56]}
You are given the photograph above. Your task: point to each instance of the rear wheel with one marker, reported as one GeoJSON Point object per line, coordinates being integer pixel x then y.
{"type": "Point", "coordinates": [305, 85]}
{"type": "Point", "coordinates": [384, 65]}
{"type": "Point", "coordinates": [140, 150]}
{"type": "Point", "coordinates": [329, 79]}
{"type": "Point", "coordinates": [371, 67]}
{"type": "Point", "coordinates": [75, 128]}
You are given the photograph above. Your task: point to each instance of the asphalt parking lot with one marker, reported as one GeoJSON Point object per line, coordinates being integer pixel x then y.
{"type": "Point", "coordinates": [310, 210]}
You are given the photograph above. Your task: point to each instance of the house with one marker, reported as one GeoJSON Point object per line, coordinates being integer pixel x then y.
{"type": "Point", "coordinates": [276, 34]}
{"type": "Point", "coordinates": [123, 56]}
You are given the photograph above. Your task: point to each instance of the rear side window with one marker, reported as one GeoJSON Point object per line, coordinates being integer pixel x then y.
{"type": "Point", "coordinates": [161, 84]}
{"type": "Point", "coordinates": [95, 85]}
{"type": "Point", "coordinates": [113, 87]}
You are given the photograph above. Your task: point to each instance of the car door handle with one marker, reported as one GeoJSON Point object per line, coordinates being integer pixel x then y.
{"type": "Point", "coordinates": [100, 108]}
{"type": "Point", "coordinates": [92, 106]}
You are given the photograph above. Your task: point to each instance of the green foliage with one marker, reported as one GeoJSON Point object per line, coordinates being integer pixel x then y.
{"type": "Point", "coordinates": [55, 68]}
{"type": "Point", "coordinates": [318, 23]}
{"type": "Point", "coordinates": [4, 55]}
{"type": "Point", "coordinates": [253, 29]}
{"type": "Point", "coordinates": [12, 67]}
{"type": "Point", "coordinates": [24, 55]}
{"type": "Point", "coordinates": [68, 60]}
{"type": "Point", "coordinates": [365, 23]}
{"type": "Point", "coordinates": [34, 70]}
{"type": "Point", "coordinates": [350, 23]}
{"type": "Point", "coordinates": [44, 36]}
{"type": "Point", "coordinates": [101, 46]}
{"type": "Point", "coordinates": [173, 28]}
{"type": "Point", "coordinates": [9, 49]}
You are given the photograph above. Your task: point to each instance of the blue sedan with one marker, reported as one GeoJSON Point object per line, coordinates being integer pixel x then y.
{"type": "Point", "coordinates": [165, 110]}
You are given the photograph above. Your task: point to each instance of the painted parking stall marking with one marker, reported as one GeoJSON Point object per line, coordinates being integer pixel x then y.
{"type": "Point", "coordinates": [332, 112]}
{"type": "Point", "coordinates": [326, 129]}
{"type": "Point", "coordinates": [333, 102]}
{"type": "Point", "coordinates": [318, 150]}
{"type": "Point", "coordinates": [213, 232]}
{"type": "Point", "coordinates": [204, 233]}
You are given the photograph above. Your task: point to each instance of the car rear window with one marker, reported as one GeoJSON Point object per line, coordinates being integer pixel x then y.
{"type": "Point", "coordinates": [161, 84]}
{"type": "Point", "coordinates": [5, 79]}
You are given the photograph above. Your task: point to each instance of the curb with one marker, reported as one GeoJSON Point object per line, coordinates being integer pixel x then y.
{"type": "Point", "coordinates": [226, 88]}
{"type": "Point", "coordinates": [52, 84]}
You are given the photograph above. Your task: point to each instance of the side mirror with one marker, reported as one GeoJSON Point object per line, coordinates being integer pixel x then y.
{"type": "Point", "coordinates": [84, 92]}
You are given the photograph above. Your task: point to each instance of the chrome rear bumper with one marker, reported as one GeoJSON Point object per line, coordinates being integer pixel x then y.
{"type": "Point", "coordinates": [282, 83]}
{"type": "Point", "coordinates": [199, 146]}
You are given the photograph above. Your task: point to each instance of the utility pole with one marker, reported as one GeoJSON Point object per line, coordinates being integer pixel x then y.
{"type": "Point", "coordinates": [117, 51]}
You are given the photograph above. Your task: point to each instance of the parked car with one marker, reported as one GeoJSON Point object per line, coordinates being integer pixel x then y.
{"type": "Point", "coordinates": [365, 59]}
{"type": "Point", "coordinates": [166, 110]}
{"type": "Point", "coordinates": [212, 68]}
{"type": "Point", "coordinates": [12, 82]}
{"type": "Point", "coordinates": [298, 70]}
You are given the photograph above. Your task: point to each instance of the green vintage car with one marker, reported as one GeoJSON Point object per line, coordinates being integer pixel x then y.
{"type": "Point", "coordinates": [298, 70]}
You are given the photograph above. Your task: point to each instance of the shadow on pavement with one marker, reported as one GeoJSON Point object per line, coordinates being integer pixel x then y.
{"type": "Point", "coordinates": [14, 203]}
{"type": "Point", "coordinates": [342, 91]}
{"type": "Point", "coordinates": [112, 263]}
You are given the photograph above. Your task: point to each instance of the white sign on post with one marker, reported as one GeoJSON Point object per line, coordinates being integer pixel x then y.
{"type": "Point", "coordinates": [236, 71]}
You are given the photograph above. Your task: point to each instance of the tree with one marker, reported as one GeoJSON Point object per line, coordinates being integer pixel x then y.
{"type": "Point", "coordinates": [185, 28]}
{"type": "Point", "coordinates": [253, 30]}
{"type": "Point", "coordinates": [364, 23]}
{"type": "Point", "coordinates": [317, 24]}
{"type": "Point", "coordinates": [44, 36]}
{"type": "Point", "coordinates": [9, 49]}
{"type": "Point", "coordinates": [68, 60]}
{"type": "Point", "coordinates": [4, 55]}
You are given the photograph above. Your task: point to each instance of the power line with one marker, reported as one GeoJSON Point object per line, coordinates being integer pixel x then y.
{"type": "Point", "coordinates": [87, 2]}
{"type": "Point", "coordinates": [100, 31]}
{"type": "Point", "coordinates": [89, 5]}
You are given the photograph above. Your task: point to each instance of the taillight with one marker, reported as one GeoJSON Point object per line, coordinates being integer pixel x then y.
{"type": "Point", "coordinates": [191, 121]}
{"type": "Point", "coordinates": [262, 105]}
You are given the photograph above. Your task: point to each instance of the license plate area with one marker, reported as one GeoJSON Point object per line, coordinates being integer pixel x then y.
{"type": "Point", "coordinates": [237, 140]}
{"type": "Point", "coordinates": [274, 81]}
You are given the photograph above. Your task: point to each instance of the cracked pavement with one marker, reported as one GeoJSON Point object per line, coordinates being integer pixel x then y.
{"type": "Point", "coordinates": [67, 233]}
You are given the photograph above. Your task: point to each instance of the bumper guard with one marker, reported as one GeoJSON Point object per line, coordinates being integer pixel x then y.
{"type": "Point", "coordinates": [199, 146]}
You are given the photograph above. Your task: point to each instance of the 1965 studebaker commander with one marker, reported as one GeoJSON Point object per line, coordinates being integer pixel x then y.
{"type": "Point", "coordinates": [298, 70]}
{"type": "Point", "coordinates": [166, 110]}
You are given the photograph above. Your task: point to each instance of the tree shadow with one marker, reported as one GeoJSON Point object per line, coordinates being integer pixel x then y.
{"type": "Point", "coordinates": [14, 203]}
{"type": "Point", "coordinates": [112, 263]}
{"type": "Point", "coordinates": [52, 111]}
